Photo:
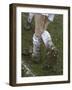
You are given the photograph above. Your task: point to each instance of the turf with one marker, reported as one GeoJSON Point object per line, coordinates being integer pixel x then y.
{"type": "Point", "coordinates": [56, 30]}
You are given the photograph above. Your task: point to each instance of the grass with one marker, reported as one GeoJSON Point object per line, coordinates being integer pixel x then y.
{"type": "Point", "coordinates": [56, 31]}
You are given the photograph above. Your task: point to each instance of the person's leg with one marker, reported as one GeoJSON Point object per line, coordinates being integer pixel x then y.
{"type": "Point", "coordinates": [36, 45]}
{"type": "Point", "coordinates": [46, 37]}
{"type": "Point", "coordinates": [39, 20]}
{"type": "Point", "coordinates": [51, 51]}
{"type": "Point", "coordinates": [36, 48]}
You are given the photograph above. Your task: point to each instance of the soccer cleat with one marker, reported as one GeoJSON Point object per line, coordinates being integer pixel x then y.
{"type": "Point", "coordinates": [52, 55]}
{"type": "Point", "coordinates": [51, 58]}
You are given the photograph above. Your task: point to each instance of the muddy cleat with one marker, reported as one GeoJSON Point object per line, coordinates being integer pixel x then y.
{"type": "Point", "coordinates": [51, 58]}
{"type": "Point", "coordinates": [52, 55]}
{"type": "Point", "coordinates": [52, 51]}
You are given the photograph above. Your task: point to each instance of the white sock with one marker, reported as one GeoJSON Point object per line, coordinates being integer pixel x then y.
{"type": "Point", "coordinates": [46, 37]}
{"type": "Point", "coordinates": [36, 44]}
